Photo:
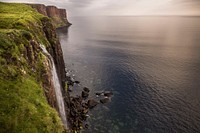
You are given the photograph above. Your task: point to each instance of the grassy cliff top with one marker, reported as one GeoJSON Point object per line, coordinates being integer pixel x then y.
{"type": "Point", "coordinates": [23, 105]}
{"type": "Point", "coordinates": [14, 15]}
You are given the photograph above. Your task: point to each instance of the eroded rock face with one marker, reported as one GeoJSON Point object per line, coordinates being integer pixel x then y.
{"type": "Point", "coordinates": [40, 8]}
{"type": "Point", "coordinates": [62, 13]}
{"type": "Point", "coordinates": [59, 16]}
{"type": "Point", "coordinates": [32, 54]}
{"type": "Point", "coordinates": [53, 11]}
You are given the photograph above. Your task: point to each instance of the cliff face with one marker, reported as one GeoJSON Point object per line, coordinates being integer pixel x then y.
{"type": "Point", "coordinates": [27, 94]}
{"type": "Point", "coordinates": [59, 16]}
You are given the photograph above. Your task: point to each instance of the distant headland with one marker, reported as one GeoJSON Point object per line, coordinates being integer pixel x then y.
{"type": "Point", "coordinates": [58, 16]}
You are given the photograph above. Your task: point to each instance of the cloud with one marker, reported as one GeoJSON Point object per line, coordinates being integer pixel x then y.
{"type": "Point", "coordinates": [125, 7]}
{"type": "Point", "coordinates": [79, 3]}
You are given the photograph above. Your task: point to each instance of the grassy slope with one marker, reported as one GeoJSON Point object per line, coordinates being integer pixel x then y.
{"type": "Point", "coordinates": [23, 105]}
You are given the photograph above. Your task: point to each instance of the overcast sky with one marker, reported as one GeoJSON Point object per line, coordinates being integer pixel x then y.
{"type": "Point", "coordinates": [123, 7]}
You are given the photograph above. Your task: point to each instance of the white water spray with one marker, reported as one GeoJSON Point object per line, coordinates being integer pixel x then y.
{"type": "Point", "coordinates": [57, 87]}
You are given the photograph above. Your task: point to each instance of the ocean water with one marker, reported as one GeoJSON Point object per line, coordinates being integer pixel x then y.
{"type": "Point", "coordinates": [152, 64]}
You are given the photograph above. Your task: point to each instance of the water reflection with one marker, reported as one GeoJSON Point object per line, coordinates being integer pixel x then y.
{"type": "Point", "coordinates": [151, 64]}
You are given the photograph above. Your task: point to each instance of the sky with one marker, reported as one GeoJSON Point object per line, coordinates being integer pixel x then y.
{"type": "Point", "coordinates": [123, 7]}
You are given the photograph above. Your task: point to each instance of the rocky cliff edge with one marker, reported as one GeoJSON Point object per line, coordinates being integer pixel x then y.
{"type": "Point", "coordinates": [27, 95]}
{"type": "Point", "coordinates": [58, 16]}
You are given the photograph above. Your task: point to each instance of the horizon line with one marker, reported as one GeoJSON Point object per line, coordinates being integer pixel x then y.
{"type": "Point", "coordinates": [136, 16]}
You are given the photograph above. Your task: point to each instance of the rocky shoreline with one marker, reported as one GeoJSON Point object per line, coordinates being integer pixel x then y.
{"type": "Point", "coordinates": [26, 74]}
{"type": "Point", "coordinates": [80, 105]}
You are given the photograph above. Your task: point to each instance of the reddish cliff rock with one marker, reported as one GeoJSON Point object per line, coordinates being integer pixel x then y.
{"type": "Point", "coordinates": [59, 16]}
{"type": "Point", "coordinates": [40, 8]}
{"type": "Point", "coordinates": [63, 13]}
{"type": "Point", "coordinates": [52, 11]}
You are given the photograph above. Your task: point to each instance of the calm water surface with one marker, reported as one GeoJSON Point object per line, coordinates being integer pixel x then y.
{"type": "Point", "coordinates": [152, 64]}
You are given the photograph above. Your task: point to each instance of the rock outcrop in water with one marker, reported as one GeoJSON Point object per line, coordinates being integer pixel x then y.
{"type": "Point", "coordinates": [59, 16]}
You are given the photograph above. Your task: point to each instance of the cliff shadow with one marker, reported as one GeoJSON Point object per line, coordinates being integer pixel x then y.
{"type": "Point", "coordinates": [63, 31]}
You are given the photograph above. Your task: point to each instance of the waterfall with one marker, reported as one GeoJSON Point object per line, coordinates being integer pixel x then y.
{"type": "Point", "coordinates": [57, 87]}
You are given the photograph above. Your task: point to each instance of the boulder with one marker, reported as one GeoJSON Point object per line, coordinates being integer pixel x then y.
{"type": "Point", "coordinates": [98, 93]}
{"type": "Point", "coordinates": [85, 94]}
{"type": "Point", "coordinates": [86, 126]}
{"type": "Point", "coordinates": [104, 100]}
{"type": "Point", "coordinates": [108, 93]}
{"type": "Point", "coordinates": [70, 82]}
{"type": "Point", "coordinates": [70, 89]}
{"type": "Point", "coordinates": [86, 89]}
{"type": "Point", "coordinates": [85, 110]}
{"type": "Point", "coordinates": [92, 103]}
{"type": "Point", "coordinates": [77, 82]}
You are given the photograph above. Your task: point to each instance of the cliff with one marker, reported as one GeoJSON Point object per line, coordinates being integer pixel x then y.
{"type": "Point", "coordinates": [58, 16]}
{"type": "Point", "coordinates": [27, 94]}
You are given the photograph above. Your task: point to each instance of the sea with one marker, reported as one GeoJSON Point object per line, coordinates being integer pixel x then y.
{"type": "Point", "coordinates": [151, 64]}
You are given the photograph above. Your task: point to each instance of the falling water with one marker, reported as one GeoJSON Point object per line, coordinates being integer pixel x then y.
{"type": "Point", "coordinates": [57, 87]}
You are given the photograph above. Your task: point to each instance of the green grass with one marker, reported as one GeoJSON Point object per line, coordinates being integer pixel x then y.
{"type": "Point", "coordinates": [58, 22]}
{"type": "Point", "coordinates": [22, 17]}
{"type": "Point", "coordinates": [23, 105]}
{"type": "Point", "coordinates": [24, 108]}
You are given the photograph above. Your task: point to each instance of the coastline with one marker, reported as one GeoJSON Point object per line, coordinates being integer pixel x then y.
{"type": "Point", "coordinates": [28, 94]}
{"type": "Point", "coordinates": [32, 58]}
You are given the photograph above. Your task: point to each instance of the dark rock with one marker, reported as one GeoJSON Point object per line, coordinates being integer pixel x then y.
{"type": "Point", "coordinates": [108, 93]}
{"type": "Point", "coordinates": [86, 89]}
{"type": "Point", "coordinates": [72, 113]}
{"type": "Point", "coordinates": [105, 100]}
{"type": "Point", "coordinates": [68, 78]}
{"type": "Point", "coordinates": [70, 83]}
{"type": "Point", "coordinates": [85, 110]}
{"type": "Point", "coordinates": [84, 105]}
{"type": "Point", "coordinates": [92, 103]}
{"type": "Point", "coordinates": [86, 126]}
{"type": "Point", "coordinates": [77, 82]}
{"type": "Point", "coordinates": [70, 89]}
{"type": "Point", "coordinates": [85, 94]}
{"type": "Point", "coordinates": [99, 93]}
{"type": "Point", "coordinates": [78, 99]}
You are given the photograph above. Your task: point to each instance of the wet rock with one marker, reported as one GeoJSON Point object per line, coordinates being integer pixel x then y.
{"type": "Point", "coordinates": [84, 94]}
{"type": "Point", "coordinates": [70, 89]}
{"type": "Point", "coordinates": [70, 83]}
{"type": "Point", "coordinates": [86, 126]}
{"type": "Point", "coordinates": [86, 89]}
{"type": "Point", "coordinates": [92, 103]}
{"type": "Point", "coordinates": [87, 116]}
{"type": "Point", "coordinates": [108, 93]}
{"type": "Point", "coordinates": [85, 110]}
{"type": "Point", "coordinates": [77, 112]}
{"type": "Point", "coordinates": [72, 113]}
{"type": "Point", "coordinates": [98, 93]}
{"type": "Point", "coordinates": [68, 78]}
{"type": "Point", "coordinates": [77, 82]}
{"type": "Point", "coordinates": [84, 105]}
{"type": "Point", "coordinates": [105, 100]}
